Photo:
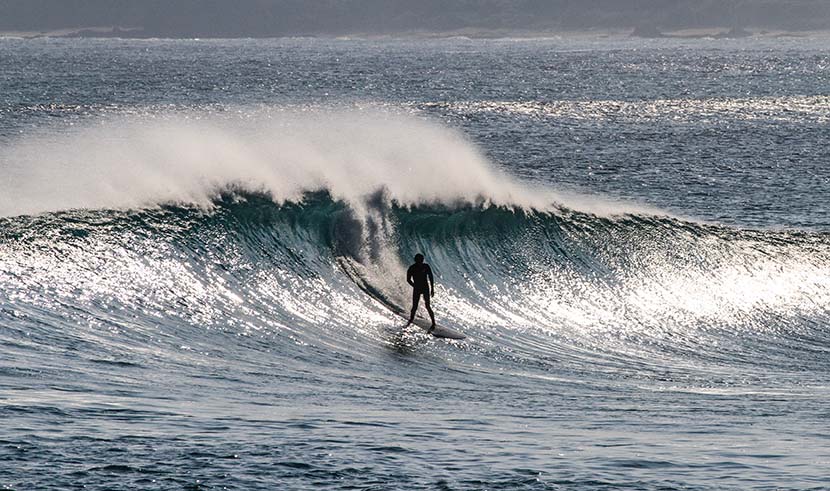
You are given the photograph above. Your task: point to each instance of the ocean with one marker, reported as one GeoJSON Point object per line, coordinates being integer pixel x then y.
{"type": "Point", "coordinates": [200, 240]}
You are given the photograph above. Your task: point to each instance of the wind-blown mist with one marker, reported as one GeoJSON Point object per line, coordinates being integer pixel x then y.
{"type": "Point", "coordinates": [133, 162]}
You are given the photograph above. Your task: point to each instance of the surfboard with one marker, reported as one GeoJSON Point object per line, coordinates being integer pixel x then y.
{"type": "Point", "coordinates": [439, 331]}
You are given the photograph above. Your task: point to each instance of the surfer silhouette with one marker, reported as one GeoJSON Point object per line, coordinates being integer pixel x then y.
{"type": "Point", "coordinates": [419, 276]}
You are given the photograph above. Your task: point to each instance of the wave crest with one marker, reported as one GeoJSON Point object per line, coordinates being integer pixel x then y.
{"type": "Point", "coordinates": [134, 162]}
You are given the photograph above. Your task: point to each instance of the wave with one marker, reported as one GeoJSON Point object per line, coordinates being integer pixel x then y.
{"type": "Point", "coordinates": [525, 285]}
{"type": "Point", "coordinates": [166, 228]}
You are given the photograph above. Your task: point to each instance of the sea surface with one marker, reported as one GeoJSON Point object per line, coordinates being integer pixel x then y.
{"type": "Point", "coordinates": [201, 242]}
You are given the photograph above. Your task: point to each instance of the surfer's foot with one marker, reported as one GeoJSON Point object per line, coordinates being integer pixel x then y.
{"type": "Point", "coordinates": [431, 328]}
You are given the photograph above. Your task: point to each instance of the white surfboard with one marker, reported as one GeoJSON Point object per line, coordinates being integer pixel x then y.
{"type": "Point", "coordinates": [439, 331]}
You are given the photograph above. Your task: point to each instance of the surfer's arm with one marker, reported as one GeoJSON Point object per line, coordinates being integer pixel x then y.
{"type": "Point", "coordinates": [409, 277]}
{"type": "Point", "coordinates": [431, 282]}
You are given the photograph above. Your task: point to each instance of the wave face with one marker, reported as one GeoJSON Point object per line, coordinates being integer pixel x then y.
{"type": "Point", "coordinates": [658, 290]}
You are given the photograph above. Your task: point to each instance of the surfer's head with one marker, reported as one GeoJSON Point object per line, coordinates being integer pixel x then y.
{"type": "Point", "coordinates": [419, 258]}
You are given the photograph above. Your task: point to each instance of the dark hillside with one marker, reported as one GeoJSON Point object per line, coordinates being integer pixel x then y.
{"type": "Point", "coordinates": [260, 18]}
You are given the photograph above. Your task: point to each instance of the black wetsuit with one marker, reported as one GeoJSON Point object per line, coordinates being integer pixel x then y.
{"type": "Point", "coordinates": [419, 275]}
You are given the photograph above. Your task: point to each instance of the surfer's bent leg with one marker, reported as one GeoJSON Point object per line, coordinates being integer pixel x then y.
{"type": "Point", "coordinates": [416, 296]}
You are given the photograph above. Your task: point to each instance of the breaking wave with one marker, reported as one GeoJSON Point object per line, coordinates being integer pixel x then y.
{"type": "Point", "coordinates": [303, 224]}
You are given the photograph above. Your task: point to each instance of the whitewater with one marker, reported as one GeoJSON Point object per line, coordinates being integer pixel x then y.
{"type": "Point", "coordinates": [200, 242]}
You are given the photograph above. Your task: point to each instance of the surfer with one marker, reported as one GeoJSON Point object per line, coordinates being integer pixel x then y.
{"type": "Point", "coordinates": [417, 276]}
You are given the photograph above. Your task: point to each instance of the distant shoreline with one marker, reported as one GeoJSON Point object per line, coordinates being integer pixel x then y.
{"type": "Point", "coordinates": [118, 32]}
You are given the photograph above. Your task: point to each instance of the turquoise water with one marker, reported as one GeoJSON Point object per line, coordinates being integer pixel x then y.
{"type": "Point", "coordinates": [197, 239]}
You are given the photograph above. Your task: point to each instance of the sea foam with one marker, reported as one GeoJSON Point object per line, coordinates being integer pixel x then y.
{"type": "Point", "coordinates": [129, 161]}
